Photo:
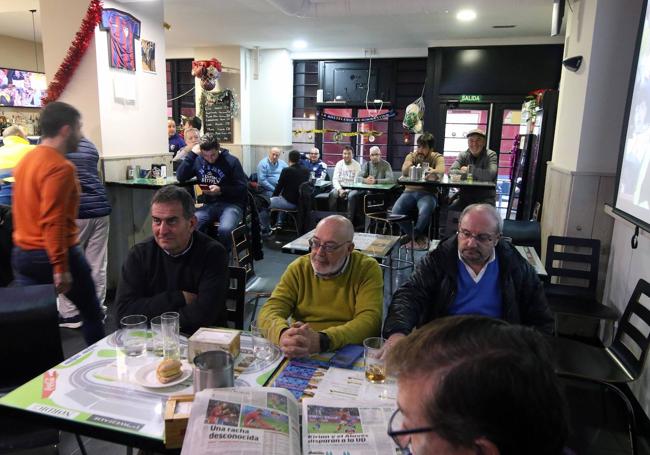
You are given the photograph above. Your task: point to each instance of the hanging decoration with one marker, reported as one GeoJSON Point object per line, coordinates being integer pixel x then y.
{"type": "Point", "coordinates": [75, 53]}
{"type": "Point", "coordinates": [338, 118]}
{"type": "Point", "coordinates": [208, 71]}
{"type": "Point", "coordinates": [413, 116]}
{"type": "Point", "coordinates": [339, 135]}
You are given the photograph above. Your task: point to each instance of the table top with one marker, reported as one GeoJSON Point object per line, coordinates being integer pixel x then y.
{"type": "Point", "coordinates": [150, 183]}
{"type": "Point", "coordinates": [97, 388]}
{"type": "Point", "coordinates": [374, 245]}
{"type": "Point", "coordinates": [322, 183]}
{"type": "Point", "coordinates": [445, 181]}
{"type": "Point", "coordinates": [367, 186]}
{"type": "Point", "coordinates": [527, 252]}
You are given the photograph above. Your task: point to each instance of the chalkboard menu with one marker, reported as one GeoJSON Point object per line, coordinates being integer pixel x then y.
{"type": "Point", "coordinates": [217, 118]}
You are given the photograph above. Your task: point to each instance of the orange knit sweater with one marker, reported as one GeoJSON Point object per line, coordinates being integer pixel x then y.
{"type": "Point", "coordinates": [45, 205]}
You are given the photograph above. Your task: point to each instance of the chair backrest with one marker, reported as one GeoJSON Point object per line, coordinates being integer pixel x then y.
{"type": "Point", "coordinates": [241, 251]}
{"type": "Point", "coordinates": [632, 338]}
{"type": "Point", "coordinates": [373, 203]}
{"type": "Point", "coordinates": [30, 343]}
{"type": "Point", "coordinates": [584, 275]}
{"type": "Point", "coordinates": [525, 233]}
{"type": "Point", "coordinates": [236, 297]}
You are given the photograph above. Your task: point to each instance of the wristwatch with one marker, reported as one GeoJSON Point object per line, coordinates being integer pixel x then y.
{"type": "Point", "coordinates": [324, 342]}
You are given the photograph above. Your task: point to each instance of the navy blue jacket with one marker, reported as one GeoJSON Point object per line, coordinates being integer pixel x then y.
{"type": "Point", "coordinates": [93, 201]}
{"type": "Point", "coordinates": [225, 172]}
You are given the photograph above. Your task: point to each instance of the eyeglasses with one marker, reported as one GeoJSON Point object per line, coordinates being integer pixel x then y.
{"type": "Point", "coordinates": [481, 238]}
{"type": "Point", "coordinates": [397, 432]}
{"type": "Point", "coordinates": [328, 246]}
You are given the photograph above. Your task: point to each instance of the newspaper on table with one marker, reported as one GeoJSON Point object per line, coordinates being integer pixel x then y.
{"type": "Point", "coordinates": [246, 420]}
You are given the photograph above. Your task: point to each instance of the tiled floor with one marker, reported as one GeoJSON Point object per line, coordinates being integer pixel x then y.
{"type": "Point", "coordinates": [599, 423]}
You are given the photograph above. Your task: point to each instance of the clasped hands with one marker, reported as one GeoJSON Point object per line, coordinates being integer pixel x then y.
{"type": "Point", "coordinates": [299, 340]}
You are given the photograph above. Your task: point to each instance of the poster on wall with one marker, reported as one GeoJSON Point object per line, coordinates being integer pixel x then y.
{"type": "Point", "coordinates": [217, 114]}
{"type": "Point", "coordinates": [122, 29]}
{"type": "Point", "coordinates": [148, 56]}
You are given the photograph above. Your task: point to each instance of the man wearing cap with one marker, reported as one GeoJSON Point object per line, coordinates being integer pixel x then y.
{"type": "Point", "coordinates": [484, 164]}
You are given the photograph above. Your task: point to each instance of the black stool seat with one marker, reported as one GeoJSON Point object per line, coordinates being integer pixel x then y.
{"type": "Point", "coordinates": [577, 359]}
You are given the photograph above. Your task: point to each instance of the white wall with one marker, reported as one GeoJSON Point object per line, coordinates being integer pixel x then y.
{"type": "Point", "coordinates": [19, 54]}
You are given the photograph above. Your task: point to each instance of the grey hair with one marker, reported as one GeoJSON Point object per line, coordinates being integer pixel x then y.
{"type": "Point", "coordinates": [13, 130]}
{"type": "Point", "coordinates": [172, 193]}
{"type": "Point", "coordinates": [492, 210]}
{"type": "Point", "coordinates": [374, 148]}
{"type": "Point", "coordinates": [190, 130]}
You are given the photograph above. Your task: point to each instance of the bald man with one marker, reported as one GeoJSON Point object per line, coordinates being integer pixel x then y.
{"type": "Point", "coordinates": [269, 170]}
{"type": "Point", "coordinates": [334, 294]}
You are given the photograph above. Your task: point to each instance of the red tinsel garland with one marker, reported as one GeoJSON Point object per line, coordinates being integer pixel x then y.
{"type": "Point", "coordinates": [75, 52]}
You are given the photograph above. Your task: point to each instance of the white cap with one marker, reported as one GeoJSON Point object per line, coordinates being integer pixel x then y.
{"type": "Point", "coordinates": [478, 131]}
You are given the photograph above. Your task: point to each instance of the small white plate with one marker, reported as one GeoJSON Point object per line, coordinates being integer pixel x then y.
{"type": "Point", "coordinates": [146, 376]}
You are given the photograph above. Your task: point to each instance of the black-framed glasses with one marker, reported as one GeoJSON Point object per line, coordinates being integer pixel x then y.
{"type": "Point", "coordinates": [329, 247]}
{"type": "Point", "coordinates": [401, 436]}
{"type": "Point", "coordinates": [481, 238]}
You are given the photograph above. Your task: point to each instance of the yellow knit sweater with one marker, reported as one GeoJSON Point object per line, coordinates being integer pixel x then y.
{"type": "Point", "coordinates": [347, 308]}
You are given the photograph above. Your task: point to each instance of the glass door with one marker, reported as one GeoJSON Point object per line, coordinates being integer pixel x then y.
{"type": "Point", "coordinates": [460, 119]}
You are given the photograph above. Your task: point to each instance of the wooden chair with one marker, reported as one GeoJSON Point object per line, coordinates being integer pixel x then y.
{"type": "Point", "coordinates": [256, 287]}
{"type": "Point", "coordinates": [620, 363]}
{"type": "Point", "coordinates": [235, 299]}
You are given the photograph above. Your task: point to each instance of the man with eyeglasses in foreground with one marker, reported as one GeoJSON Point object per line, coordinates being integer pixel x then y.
{"type": "Point", "coordinates": [334, 295]}
{"type": "Point", "coordinates": [473, 272]}
{"type": "Point", "coordinates": [472, 385]}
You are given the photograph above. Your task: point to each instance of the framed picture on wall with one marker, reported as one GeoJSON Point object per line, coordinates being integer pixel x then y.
{"type": "Point", "coordinates": [148, 56]}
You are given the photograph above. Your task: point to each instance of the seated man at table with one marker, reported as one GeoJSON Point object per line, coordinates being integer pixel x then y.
{"type": "Point", "coordinates": [334, 294]}
{"type": "Point", "coordinates": [470, 273]}
{"type": "Point", "coordinates": [314, 164]}
{"type": "Point", "coordinates": [419, 198]}
{"type": "Point", "coordinates": [269, 170]}
{"type": "Point", "coordinates": [475, 385]}
{"type": "Point", "coordinates": [344, 172]}
{"type": "Point", "coordinates": [373, 172]}
{"type": "Point", "coordinates": [223, 178]}
{"type": "Point", "coordinates": [484, 165]}
{"type": "Point", "coordinates": [178, 269]}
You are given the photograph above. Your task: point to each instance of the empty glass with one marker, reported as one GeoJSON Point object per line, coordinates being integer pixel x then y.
{"type": "Point", "coordinates": [157, 336]}
{"type": "Point", "coordinates": [170, 333]}
{"type": "Point", "coordinates": [262, 348]}
{"type": "Point", "coordinates": [134, 335]}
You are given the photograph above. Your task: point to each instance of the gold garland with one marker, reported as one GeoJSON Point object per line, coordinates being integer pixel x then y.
{"type": "Point", "coordinates": [339, 135]}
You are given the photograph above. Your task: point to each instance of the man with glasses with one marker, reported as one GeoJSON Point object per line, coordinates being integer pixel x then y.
{"type": "Point", "coordinates": [473, 385]}
{"type": "Point", "coordinates": [314, 164]}
{"type": "Point", "coordinates": [470, 273]}
{"type": "Point", "coordinates": [334, 295]}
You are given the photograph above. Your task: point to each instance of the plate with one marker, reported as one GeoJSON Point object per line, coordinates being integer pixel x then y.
{"type": "Point", "coordinates": [146, 376]}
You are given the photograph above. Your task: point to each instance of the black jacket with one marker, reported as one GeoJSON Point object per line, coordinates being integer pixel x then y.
{"type": "Point", "coordinates": [290, 180]}
{"type": "Point", "coordinates": [431, 289]}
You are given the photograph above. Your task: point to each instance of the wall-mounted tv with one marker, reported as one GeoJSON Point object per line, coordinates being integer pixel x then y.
{"type": "Point", "coordinates": [21, 88]}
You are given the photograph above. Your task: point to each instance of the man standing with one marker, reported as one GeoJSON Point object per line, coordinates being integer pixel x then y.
{"type": "Point", "coordinates": [315, 164]}
{"type": "Point", "coordinates": [470, 273]}
{"type": "Point", "coordinates": [176, 142]}
{"type": "Point", "coordinates": [45, 205]}
{"type": "Point", "coordinates": [419, 198]}
{"type": "Point", "coordinates": [484, 165]}
{"type": "Point", "coordinates": [344, 172]}
{"type": "Point", "coordinates": [334, 293]}
{"type": "Point", "coordinates": [93, 223]}
{"type": "Point", "coordinates": [268, 171]}
{"type": "Point", "coordinates": [179, 269]}
{"type": "Point", "coordinates": [225, 183]}
{"type": "Point", "coordinates": [473, 385]}
{"type": "Point", "coordinates": [15, 147]}
{"type": "Point", "coordinates": [372, 172]}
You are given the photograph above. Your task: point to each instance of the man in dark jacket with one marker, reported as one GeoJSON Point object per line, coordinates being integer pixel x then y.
{"type": "Point", "coordinates": [93, 223]}
{"type": "Point", "coordinates": [223, 182]}
{"type": "Point", "coordinates": [470, 273]}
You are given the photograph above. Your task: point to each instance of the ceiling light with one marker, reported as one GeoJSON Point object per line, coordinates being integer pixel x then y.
{"type": "Point", "coordinates": [466, 15]}
{"type": "Point", "coordinates": [299, 44]}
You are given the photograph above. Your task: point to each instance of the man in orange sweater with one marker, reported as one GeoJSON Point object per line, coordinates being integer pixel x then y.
{"type": "Point", "coordinates": [45, 206]}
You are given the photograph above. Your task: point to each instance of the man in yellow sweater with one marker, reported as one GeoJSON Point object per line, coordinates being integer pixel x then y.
{"type": "Point", "coordinates": [334, 294]}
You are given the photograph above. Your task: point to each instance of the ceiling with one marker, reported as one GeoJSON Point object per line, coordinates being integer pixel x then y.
{"type": "Point", "coordinates": [326, 24]}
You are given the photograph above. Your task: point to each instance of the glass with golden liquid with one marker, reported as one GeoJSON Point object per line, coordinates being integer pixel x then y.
{"type": "Point", "coordinates": [374, 364]}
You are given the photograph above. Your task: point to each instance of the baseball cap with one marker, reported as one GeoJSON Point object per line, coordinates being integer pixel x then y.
{"type": "Point", "coordinates": [478, 131]}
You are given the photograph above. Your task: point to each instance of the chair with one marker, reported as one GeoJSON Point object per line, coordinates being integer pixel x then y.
{"type": "Point", "coordinates": [577, 297]}
{"type": "Point", "coordinates": [236, 296]}
{"type": "Point", "coordinates": [293, 214]}
{"type": "Point", "coordinates": [525, 233]}
{"type": "Point", "coordinates": [30, 344]}
{"type": "Point", "coordinates": [256, 287]}
{"type": "Point", "coordinates": [620, 363]}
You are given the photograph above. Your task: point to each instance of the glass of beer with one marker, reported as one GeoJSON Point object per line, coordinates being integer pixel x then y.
{"type": "Point", "coordinates": [374, 363]}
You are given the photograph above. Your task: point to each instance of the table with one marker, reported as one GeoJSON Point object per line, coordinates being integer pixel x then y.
{"type": "Point", "coordinates": [527, 252]}
{"type": "Point", "coordinates": [376, 246]}
{"type": "Point", "coordinates": [152, 184]}
{"type": "Point", "coordinates": [367, 186]}
{"type": "Point", "coordinates": [90, 394]}
{"type": "Point", "coordinates": [445, 182]}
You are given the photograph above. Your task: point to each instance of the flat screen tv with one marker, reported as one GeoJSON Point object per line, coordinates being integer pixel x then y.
{"type": "Point", "coordinates": [21, 88]}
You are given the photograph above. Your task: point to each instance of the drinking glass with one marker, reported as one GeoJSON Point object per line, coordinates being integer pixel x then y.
{"type": "Point", "coordinates": [134, 335]}
{"type": "Point", "coordinates": [470, 173]}
{"type": "Point", "coordinates": [157, 336]}
{"type": "Point", "coordinates": [170, 334]}
{"type": "Point", "coordinates": [374, 363]}
{"type": "Point", "coordinates": [262, 348]}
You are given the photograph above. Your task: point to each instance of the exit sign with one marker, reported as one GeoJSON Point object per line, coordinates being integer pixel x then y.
{"type": "Point", "coordinates": [471, 98]}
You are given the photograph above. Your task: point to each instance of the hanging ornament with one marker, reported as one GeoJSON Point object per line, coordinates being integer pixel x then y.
{"type": "Point", "coordinates": [371, 137]}
{"type": "Point", "coordinates": [310, 136]}
{"type": "Point", "coordinates": [208, 71]}
{"type": "Point", "coordinates": [338, 136]}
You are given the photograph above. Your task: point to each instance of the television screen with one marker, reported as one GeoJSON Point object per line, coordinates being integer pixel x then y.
{"type": "Point", "coordinates": [21, 88]}
{"type": "Point", "coordinates": [633, 189]}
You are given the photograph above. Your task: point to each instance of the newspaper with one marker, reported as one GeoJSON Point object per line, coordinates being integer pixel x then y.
{"type": "Point", "coordinates": [246, 420]}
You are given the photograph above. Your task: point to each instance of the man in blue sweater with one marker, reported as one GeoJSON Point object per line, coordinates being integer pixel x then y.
{"type": "Point", "coordinates": [269, 170]}
{"type": "Point", "coordinates": [470, 273]}
{"type": "Point", "coordinates": [223, 182]}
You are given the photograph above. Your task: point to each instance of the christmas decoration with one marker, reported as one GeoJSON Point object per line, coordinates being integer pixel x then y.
{"type": "Point", "coordinates": [224, 96]}
{"type": "Point", "coordinates": [413, 116]}
{"type": "Point", "coordinates": [338, 118]}
{"type": "Point", "coordinates": [75, 53]}
{"type": "Point", "coordinates": [339, 135]}
{"type": "Point", "coordinates": [208, 71]}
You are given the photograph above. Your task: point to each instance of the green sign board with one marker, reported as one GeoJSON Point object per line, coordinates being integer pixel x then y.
{"type": "Point", "coordinates": [471, 98]}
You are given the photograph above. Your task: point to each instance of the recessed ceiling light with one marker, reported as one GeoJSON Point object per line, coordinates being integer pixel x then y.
{"type": "Point", "coordinates": [299, 44]}
{"type": "Point", "coordinates": [466, 15]}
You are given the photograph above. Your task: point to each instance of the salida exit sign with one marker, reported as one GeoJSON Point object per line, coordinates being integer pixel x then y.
{"type": "Point", "coordinates": [471, 98]}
